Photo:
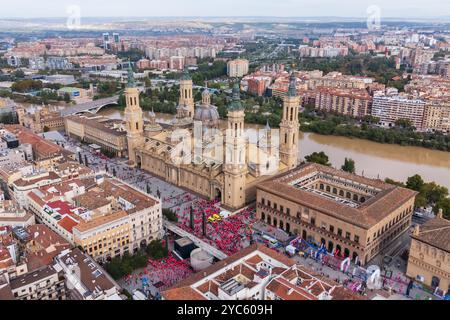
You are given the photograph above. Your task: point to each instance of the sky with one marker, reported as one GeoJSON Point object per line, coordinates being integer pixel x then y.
{"type": "Point", "coordinates": [229, 8]}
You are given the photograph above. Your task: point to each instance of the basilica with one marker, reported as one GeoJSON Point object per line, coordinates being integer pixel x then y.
{"type": "Point", "coordinates": [194, 152]}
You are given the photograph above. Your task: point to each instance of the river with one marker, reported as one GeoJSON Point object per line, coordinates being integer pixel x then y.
{"type": "Point", "coordinates": [372, 159]}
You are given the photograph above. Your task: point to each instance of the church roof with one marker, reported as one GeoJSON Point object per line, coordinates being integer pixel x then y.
{"type": "Point", "coordinates": [206, 113]}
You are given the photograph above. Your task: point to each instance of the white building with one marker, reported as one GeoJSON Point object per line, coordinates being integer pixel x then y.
{"type": "Point", "coordinates": [392, 108]}
{"type": "Point", "coordinates": [237, 68]}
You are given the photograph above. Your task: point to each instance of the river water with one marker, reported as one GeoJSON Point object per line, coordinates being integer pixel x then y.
{"type": "Point", "coordinates": [372, 159]}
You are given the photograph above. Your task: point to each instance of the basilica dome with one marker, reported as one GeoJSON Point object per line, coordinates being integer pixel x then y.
{"type": "Point", "coordinates": [206, 112]}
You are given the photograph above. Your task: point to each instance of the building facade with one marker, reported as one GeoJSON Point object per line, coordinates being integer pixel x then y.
{"type": "Point", "coordinates": [429, 255]}
{"type": "Point", "coordinates": [237, 68]}
{"type": "Point", "coordinates": [350, 215]}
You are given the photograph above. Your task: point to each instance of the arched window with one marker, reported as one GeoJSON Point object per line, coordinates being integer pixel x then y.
{"type": "Point", "coordinates": [341, 193]}
{"type": "Point", "coordinates": [328, 188]}
{"type": "Point", "coordinates": [334, 190]}
{"type": "Point", "coordinates": [321, 186]}
{"type": "Point", "coordinates": [348, 195]}
{"type": "Point", "coordinates": [263, 216]}
{"type": "Point", "coordinates": [355, 197]}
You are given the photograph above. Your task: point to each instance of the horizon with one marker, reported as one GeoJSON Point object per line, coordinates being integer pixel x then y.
{"type": "Point", "coordinates": [349, 9]}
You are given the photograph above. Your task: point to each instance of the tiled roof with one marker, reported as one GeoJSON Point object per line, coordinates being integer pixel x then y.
{"type": "Point", "coordinates": [435, 232]}
{"type": "Point", "coordinates": [367, 214]}
{"type": "Point", "coordinates": [68, 223]}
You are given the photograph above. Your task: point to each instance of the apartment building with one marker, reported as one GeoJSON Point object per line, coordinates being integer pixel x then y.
{"type": "Point", "coordinates": [390, 108]}
{"type": "Point", "coordinates": [42, 284]}
{"type": "Point", "coordinates": [437, 115]}
{"type": "Point", "coordinates": [350, 102]}
{"type": "Point", "coordinates": [237, 68]}
{"type": "Point", "coordinates": [85, 279]}
{"type": "Point", "coordinates": [104, 216]}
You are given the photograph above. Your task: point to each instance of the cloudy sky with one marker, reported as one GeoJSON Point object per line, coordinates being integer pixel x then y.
{"type": "Point", "coordinates": [280, 8]}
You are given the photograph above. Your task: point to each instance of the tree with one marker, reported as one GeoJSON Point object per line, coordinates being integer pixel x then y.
{"type": "Point", "coordinates": [395, 183]}
{"type": "Point", "coordinates": [67, 97]}
{"type": "Point", "coordinates": [415, 183]}
{"type": "Point", "coordinates": [443, 204]}
{"type": "Point", "coordinates": [318, 157]}
{"type": "Point", "coordinates": [349, 165]}
{"type": "Point", "coordinates": [434, 193]}
{"type": "Point", "coordinates": [404, 124]}
{"type": "Point", "coordinates": [170, 215]}
{"type": "Point", "coordinates": [156, 250]}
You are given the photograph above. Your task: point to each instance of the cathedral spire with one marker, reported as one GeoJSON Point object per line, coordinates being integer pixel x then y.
{"type": "Point", "coordinates": [236, 103]}
{"type": "Point", "coordinates": [186, 75]}
{"type": "Point", "coordinates": [292, 91]}
{"type": "Point", "coordinates": [131, 83]}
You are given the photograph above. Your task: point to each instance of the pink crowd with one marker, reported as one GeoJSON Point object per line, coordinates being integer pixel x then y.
{"type": "Point", "coordinates": [169, 271]}
{"type": "Point", "coordinates": [226, 235]}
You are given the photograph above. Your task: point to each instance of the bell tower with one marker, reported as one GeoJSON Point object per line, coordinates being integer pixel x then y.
{"type": "Point", "coordinates": [235, 168]}
{"type": "Point", "coordinates": [186, 95]}
{"type": "Point", "coordinates": [289, 126]}
{"type": "Point", "coordinates": [133, 117]}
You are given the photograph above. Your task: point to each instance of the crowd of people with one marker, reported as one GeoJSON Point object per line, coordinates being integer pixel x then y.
{"type": "Point", "coordinates": [167, 272]}
{"type": "Point", "coordinates": [228, 234]}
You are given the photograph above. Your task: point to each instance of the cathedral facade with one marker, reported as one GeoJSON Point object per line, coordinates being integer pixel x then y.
{"type": "Point", "coordinates": [194, 153]}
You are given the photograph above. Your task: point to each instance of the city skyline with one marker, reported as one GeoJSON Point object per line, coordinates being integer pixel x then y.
{"type": "Point", "coordinates": [250, 8]}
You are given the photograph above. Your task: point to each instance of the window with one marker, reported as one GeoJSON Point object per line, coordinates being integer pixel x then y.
{"type": "Point", "coordinates": [313, 221]}
{"type": "Point", "coordinates": [263, 201]}
{"type": "Point", "coordinates": [357, 239]}
{"type": "Point", "coordinates": [347, 235]}
{"type": "Point", "coordinates": [332, 229]}
{"type": "Point", "coordinates": [339, 232]}
{"type": "Point", "coordinates": [288, 211]}
{"type": "Point", "coordinates": [281, 209]}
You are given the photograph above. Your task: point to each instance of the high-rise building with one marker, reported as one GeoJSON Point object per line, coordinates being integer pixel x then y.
{"type": "Point", "coordinates": [389, 109]}
{"type": "Point", "coordinates": [237, 68]}
{"type": "Point", "coordinates": [177, 63]}
{"type": "Point", "coordinates": [106, 41]}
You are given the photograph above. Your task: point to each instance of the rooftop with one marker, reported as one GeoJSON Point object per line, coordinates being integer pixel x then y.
{"type": "Point", "coordinates": [435, 232]}
{"type": "Point", "coordinates": [298, 185]}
